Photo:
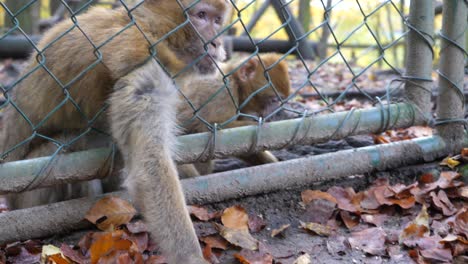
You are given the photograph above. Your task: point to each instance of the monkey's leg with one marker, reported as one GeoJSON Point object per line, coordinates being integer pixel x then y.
{"type": "Point", "coordinates": [259, 158]}
{"type": "Point", "coordinates": [143, 113]}
{"type": "Point", "coordinates": [187, 171]}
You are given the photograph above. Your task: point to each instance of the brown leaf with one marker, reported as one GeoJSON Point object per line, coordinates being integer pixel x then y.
{"type": "Point", "coordinates": [280, 230]}
{"type": "Point", "coordinates": [369, 200]}
{"type": "Point", "coordinates": [349, 219]}
{"type": "Point", "coordinates": [57, 259]}
{"type": "Point", "coordinates": [256, 223]}
{"type": "Point", "coordinates": [370, 240]}
{"type": "Point", "coordinates": [337, 245]}
{"type": "Point", "coordinates": [201, 213]}
{"type": "Point", "coordinates": [110, 212]}
{"type": "Point", "coordinates": [85, 243]}
{"type": "Point", "coordinates": [376, 219]}
{"type": "Point", "coordinates": [416, 229]}
{"type": "Point", "coordinates": [33, 246]}
{"type": "Point", "coordinates": [446, 180]}
{"type": "Point", "coordinates": [107, 243]}
{"type": "Point", "coordinates": [136, 227]}
{"type": "Point", "coordinates": [235, 217]}
{"type": "Point", "coordinates": [215, 242]}
{"type": "Point", "coordinates": [460, 225]}
{"type": "Point", "coordinates": [140, 240]}
{"type": "Point", "coordinates": [238, 237]}
{"type": "Point", "coordinates": [463, 191]}
{"type": "Point", "coordinates": [344, 198]}
{"type": "Point", "coordinates": [154, 259]}
{"type": "Point", "coordinates": [74, 255]}
{"type": "Point", "coordinates": [319, 211]}
{"type": "Point", "coordinates": [310, 195]}
{"type": "Point", "coordinates": [23, 256]}
{"type": "Point", "coordinates": [253, 257]}
{"type": "Point", "coordinates": [464, 154]}
{"type": "Point", "coordinates": [209, 255]}
{"type": "Point", "coordinates": [442, 202]}
{"type": "Point", "coordinates": [321, 230]}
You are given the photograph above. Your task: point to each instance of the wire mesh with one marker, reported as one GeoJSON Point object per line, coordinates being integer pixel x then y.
{"type": "Point", "coordinates": [311, 51]}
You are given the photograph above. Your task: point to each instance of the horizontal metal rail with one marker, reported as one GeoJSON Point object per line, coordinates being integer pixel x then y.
{"type": "Point", "coordinates": [85, 165]}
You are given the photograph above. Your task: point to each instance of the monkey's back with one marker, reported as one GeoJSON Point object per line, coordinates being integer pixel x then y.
{"type": "Point", "coordinates": [66, 84]}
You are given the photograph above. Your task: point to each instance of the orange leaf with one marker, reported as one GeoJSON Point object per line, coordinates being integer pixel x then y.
{"type": "Point", "coordinates": [280, 230]}
{"type": "Point", "coordinates": [235, 217]}
{"type": "Point", "coordinates": [321, 230]}
{"type": "Point", "coordinates": [57, 259]}
{"type": "Point", "coordinates": [110, 212]}
{"type": "Point", "coordinates": [107, 243]}
{"type": "Point", "coordinates": [215, 242]}
{"type": "Point", "coordinates": [310, 195]}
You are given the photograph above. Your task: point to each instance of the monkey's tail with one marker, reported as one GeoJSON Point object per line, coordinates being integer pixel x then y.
{"type": "Point", "coordinates": [143, 111]}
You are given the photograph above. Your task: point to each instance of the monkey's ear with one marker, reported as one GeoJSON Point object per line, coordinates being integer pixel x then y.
{"type": "Point", "coordinates": [247, 71]}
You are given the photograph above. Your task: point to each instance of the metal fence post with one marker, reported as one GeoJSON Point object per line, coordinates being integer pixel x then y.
{"type": "Point", "coordinates": [451, 101]}
{"type": "Point", "coordinates": [418, 87]}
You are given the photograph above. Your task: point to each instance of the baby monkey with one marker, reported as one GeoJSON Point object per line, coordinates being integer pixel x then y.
{"type": "Point", "coordinates": [247, 90]}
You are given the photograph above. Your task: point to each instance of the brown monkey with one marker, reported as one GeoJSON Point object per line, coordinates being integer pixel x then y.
{"type": "Point", "coordinates": [106, 56]}
{"type": "Point", "coordinates": [244, 82]}
{"type": "Point", "coordinates": [259, 105]}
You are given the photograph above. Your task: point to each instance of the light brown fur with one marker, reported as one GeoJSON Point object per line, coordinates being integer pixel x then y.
{"type": "Point", "coordinates": [243, 82]}
{"type": "Point", "coordinates": [141, 95]}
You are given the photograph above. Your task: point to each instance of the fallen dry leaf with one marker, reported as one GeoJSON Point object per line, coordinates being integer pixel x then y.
{"type": "Point", "coordinates": [310, 195]}
{"type": "Point", "coordinates": [235, 217]}
{"type": "Point", "coordinates": [253, 257]}
{"type": "Point", "coordinates": [349, 219]}
{"type": "Point", "coordinates": [201, 213]}
{"type": "Point", "coordinates": [73, 255]}
{"type": "Point", "coordinates": [450, 162]}
{"type": "Point", "coordinates": [321, 230]}
{"type": "Point", "coordinates": [238, 237]}
{"type": "Point", "coordinates": [279, 230]}
{"type": "Point", "coordinates": [209, 255]}
{"type": "Point", "coordinates": [110, 212]}
{"type": "Point", "coordinates": [344, 198]}
{"type": "Point", "coordinates": [256, 223]}
{"type": "Point", "coordinates": [460, 225]}
{"type": "Point", "coordinates": [136, 227]}
{"type": "Point", "coordinates": [375, 219]}
{"type": "Point", "coordinates": [416, 229]}
{"type": "Point", "coordinates": [107, 243]}
{"type": "Point", "coordinates": [337, 245]}
{"type": "Point", "coordinates": [442, 202]}
{"type": "Point", "coordinates": [303, 259]}
{"type": "Point", "coordinates": [319, 211]}
{"type": "Point", "coordinates": [215, 241]}
{"type": "Point", "coordinates": [155, 259]}
{"type": "Point", "coordinates": [370, 240]}
{"type": "Point", "coordinates": [463, 191]}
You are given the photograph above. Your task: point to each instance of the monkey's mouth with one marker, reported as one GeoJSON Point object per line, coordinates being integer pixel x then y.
{"type": "Point", "coordinates": [271, 105]}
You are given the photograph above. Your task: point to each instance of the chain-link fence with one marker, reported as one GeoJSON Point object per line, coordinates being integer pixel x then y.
{"type": "Point", "coordinates": [381, 52]}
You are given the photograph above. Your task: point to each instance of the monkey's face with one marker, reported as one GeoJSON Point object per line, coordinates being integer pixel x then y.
{"type": "Point", "coordinates": [208, 19]}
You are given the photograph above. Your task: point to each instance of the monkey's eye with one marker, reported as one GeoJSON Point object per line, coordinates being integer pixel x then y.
{"type": "Point", "coordinates": [218, 20]}
{"type": "Point", "coordinates": [201, 14]}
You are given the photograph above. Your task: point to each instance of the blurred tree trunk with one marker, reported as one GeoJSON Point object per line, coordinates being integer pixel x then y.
{"type": "Point", "coordinates": [28, 18]}
{"type": "Point", "coordinates": [54, 5]}
{"type": "Point", "coordinates": [322, 45]}
{"type": "Point", "coordinates": [304, 14]}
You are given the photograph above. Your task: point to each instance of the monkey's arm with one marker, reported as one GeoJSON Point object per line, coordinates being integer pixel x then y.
{"type": "Point", "coordinates": [142, 113]}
